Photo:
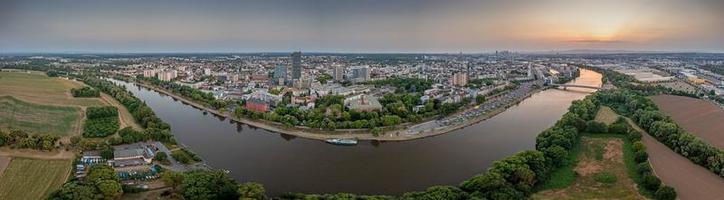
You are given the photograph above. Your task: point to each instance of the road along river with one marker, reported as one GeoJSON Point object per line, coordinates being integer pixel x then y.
{"type": "Point", "coordinates": [284, 163]}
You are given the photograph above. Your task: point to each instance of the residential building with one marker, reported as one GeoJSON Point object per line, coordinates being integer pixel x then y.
{"type": "Point", "coordinates": [338, 72]}
{"type": "Point", "coordinates": [460, 79]}
{"type": "Point", "coordinates": [360, 73]}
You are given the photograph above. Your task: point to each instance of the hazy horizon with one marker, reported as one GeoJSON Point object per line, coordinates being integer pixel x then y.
{"type": "Point", "coordinates": [327, 26]}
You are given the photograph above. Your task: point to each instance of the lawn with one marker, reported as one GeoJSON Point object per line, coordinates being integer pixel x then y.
{"type": "Point", "coordinates": [36, 87]}
{"type": "Point", "coordinates": [36, 118]}
{"type": "Point", "coordinates": [606, 115]}
{"type": "Point", "coordinates": [33, 179]}
{"type": "Point", "coordinates": [601, 172]}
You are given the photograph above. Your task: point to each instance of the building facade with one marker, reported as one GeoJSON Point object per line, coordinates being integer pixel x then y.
{"type": "Point", "coordinates": [296, 65]}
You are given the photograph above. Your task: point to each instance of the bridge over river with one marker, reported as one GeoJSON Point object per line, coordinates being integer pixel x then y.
{"type": "Point", "coordinates": [566, 86]}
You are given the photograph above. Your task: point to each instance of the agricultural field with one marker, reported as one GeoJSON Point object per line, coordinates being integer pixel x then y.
{"type": "Point", "coordinates": [690, 180]}
{"type": "Point", "coordinates": [601, 173]}
{"type": "Point", "coordinates": [606, 115]}
{"type": "Point", "coordinates": [679, 86]}
{"type": "Point", "coordinates": [701, 118]}
{"type": "Point", "coordinates": [38, 88]}
{"type": "Point", "coordinates": [32, 178]}
{"type": "Point", "coordinates": [36, 118]}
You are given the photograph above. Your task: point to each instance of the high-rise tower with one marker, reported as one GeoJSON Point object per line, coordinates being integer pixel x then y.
{"type": "Point", "coordinates": [296, 65]}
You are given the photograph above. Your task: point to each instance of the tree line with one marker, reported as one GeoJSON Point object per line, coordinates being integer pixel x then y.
{"type": "Point", "coordinates": [187, 91]}
{"type": "Point", "coordinates": [17, 138]}
{"type": "Point", "coordinates": [85, 92]}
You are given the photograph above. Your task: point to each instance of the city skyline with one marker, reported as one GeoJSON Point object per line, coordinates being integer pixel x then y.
{"type": "Point", "coordinates": [360, 27]}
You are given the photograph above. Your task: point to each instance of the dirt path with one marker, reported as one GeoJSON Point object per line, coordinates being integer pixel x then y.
{"type": "Point", "coordinates": [4, 162]}
{"type": "Point", "coordinates": [690, 180]}
{"type": "Point", "coordinates": [29, 153]}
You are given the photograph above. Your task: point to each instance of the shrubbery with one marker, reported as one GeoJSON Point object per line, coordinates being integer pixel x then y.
{"type": "Point", "coordinates": [85, 92]}
{"type": "Point", "coordinates": [101, 121]}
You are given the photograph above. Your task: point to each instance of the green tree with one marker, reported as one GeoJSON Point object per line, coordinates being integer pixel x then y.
{"type": "Point", "coordinates": [251, 191]}
{"type": "Point", "coordinates": [172, 179]}
{"type": "Point", "coordinates": [110, 189]}
{"type": "Point", "coordinates": [98, 173]}
{"type": "Point", "coordinates": [665, 193]}
{"type": "Point", "coordinates": [208, 185]}
{"type": "Point", "coordinates": [162, 157]}
{"type": "Point", "coordinates": [75, 191]}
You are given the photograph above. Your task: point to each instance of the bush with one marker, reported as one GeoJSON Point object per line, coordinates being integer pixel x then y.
{"type": "Point", "coordinates": [100, 127]}
{"type": "Point", "coordinates": [596, 127]}
{"type": "Point", "coordinates": [101, 112]}
{"type": "Point", "coordinates": [605, 177]}
{"type": "Point", "coordinates": [665, 193]}
{"type": "Point", "coordinates": [643, 168]}
{"type": "Point", "coordinates": [618, 128]}
{"type": "Point", "coordinates": [650, 182]}
{"type": "Point", "coordinates": [638, 146]}
{"type": "Point", "coordinates": [640, 156]}
{"type": "Point", "coordinates": [162, 157]}
{"type": "Point", "coordinates": [85, 92]}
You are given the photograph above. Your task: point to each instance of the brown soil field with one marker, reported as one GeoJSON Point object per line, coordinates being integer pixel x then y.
{"type": "Point", "coordinates": [606, 115]}
{"type": "Point", "coordinates": [690, 180]}
{"type": "Point", "coordinates": [701, 118]}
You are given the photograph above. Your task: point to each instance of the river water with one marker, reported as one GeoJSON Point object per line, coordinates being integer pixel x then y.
{"type": "Point", "coordinates": [284, 163]}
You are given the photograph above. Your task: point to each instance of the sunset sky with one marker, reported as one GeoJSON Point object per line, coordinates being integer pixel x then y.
{"type": "Point", "coordinates": [360, 26]}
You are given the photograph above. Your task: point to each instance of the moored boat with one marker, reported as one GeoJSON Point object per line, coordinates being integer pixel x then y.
{"type": "Point", "coordinates": [342, 141]}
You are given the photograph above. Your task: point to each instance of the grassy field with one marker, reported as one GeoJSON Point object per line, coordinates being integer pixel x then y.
{"type": "Point", "coordinates": [603, 167]}
{"type": "Point", "coordinates": [36, 118]}
{"type": "Point", "coordinates": [601, 172]}
{"type": "Point", "coordinates": [36, 87]}
{"type": "Point", "coordinates": [33, 179]}
{"type": "Point", "coordinates": [606, 115]}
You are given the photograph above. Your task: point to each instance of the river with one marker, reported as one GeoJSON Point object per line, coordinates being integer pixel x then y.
{"type": "Point", "coordinates": [283, 163]}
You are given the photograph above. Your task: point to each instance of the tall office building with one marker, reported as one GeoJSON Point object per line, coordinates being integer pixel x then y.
{"type": "Point", "coordinates": [296, 65]}
{"type": "Point", "coordinates": [338, 72]}
{"type": "Point", "coordinates": [280, 74]}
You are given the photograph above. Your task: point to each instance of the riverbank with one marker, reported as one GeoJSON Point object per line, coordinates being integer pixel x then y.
{"type": "Point", "coordinates": [398, 134]}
